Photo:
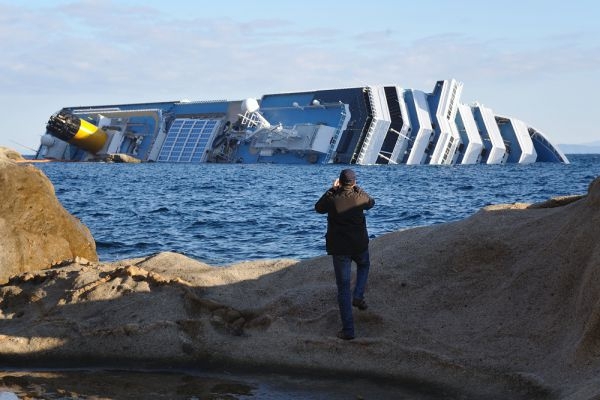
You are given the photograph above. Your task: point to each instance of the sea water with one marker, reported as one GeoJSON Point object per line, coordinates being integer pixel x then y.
{"type": "Point", "coordinates": [223, 213]}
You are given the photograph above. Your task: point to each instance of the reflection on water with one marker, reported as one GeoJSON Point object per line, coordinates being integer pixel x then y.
{"type": "Point", "coordinates": [117, 384]}
{"type": "Point", "coordinates": [94, 384]}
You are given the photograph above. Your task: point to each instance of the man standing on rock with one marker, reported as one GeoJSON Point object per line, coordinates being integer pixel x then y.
{"type": "Point", "coordinates": [347, 240]}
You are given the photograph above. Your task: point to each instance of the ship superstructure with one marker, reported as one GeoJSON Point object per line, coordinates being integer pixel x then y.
{"type": "Point", "coordinates": [362, 125]}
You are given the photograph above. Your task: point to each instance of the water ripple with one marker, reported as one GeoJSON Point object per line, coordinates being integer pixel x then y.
{"type": "Point", "coordinates": [226, 213]}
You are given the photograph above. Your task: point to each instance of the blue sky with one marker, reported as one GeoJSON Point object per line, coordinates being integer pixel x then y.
{"type": "Point", "coordinates": [535, 60]}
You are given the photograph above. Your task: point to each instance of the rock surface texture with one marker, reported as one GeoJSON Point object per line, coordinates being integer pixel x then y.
{"type": "Point", "coordinates": [35, 230]}
{"type": "Point", "coordinates": [10, 154]}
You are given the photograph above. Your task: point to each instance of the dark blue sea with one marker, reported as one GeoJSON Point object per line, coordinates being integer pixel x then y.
{"type": "Point", "coordinates": [223, 213]}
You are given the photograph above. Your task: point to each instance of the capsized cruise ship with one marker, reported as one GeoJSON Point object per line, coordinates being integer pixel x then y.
{"type": "Point", "coordinates": [361, 125]}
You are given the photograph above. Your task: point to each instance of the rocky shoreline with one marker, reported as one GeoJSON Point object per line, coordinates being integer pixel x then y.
{"type": "Point", "coordinates": [503, 304]}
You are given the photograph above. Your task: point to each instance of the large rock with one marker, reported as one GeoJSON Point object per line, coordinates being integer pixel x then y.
{"type": "Point", "coordinates": [10, 154]}
{"type": "Point", "coordinates": [504, 304]}
{"type": "Point", "coordinates": [35, 230]}
{"type": "Point", "coordinates": [119, 158]}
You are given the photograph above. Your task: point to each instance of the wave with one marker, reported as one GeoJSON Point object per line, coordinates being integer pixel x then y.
{"type": "Point", "coordinates": [160, 210]}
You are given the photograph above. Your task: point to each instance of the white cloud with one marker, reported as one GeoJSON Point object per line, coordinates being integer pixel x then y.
{"type": "Point", "coordinates": [101, 44]}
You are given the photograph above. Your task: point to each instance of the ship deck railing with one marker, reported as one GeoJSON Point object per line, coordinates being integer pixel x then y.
{"type": "Point", "coordinates": [336, 135]}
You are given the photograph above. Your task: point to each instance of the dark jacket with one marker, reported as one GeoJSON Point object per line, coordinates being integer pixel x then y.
{"type": "Point", "coordinates": [346, 223]}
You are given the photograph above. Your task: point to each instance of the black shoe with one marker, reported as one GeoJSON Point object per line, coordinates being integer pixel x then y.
{"type": "Point", "coordinates": [344, 336]}
{"type": "Point", "coordinates": [361, 304]}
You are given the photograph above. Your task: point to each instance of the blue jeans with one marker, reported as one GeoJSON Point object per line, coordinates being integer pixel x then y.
{"type": "Point", "coordinates": [343, 275]}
